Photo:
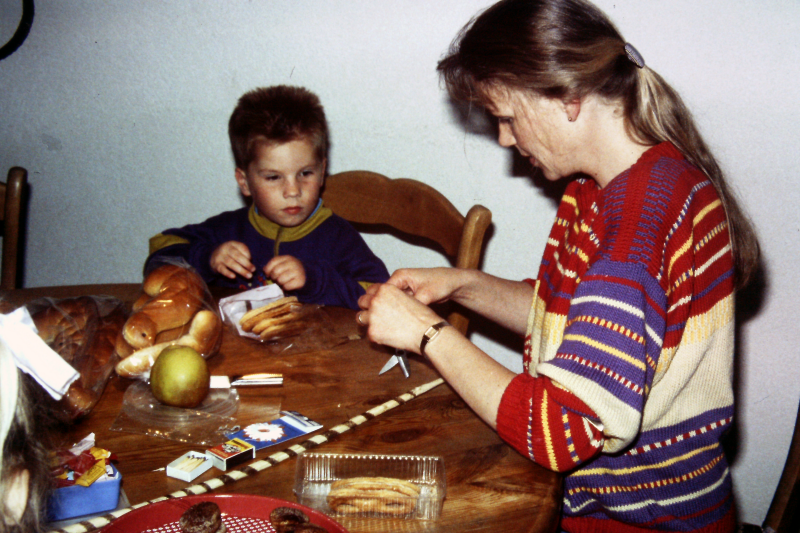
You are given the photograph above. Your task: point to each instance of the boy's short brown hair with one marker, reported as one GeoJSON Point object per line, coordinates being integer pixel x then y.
{"type": "Point", "coordinates": [279, 114]}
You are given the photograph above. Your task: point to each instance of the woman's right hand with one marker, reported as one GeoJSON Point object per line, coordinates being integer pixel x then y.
{"type": "Point", "coordinates": [503, 301]}
{"type": "Point", "coordinates": [394, 317]}
{"type": "Point", "coordinates": [428, 285]}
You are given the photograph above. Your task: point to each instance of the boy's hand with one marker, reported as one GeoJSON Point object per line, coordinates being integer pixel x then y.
{"type": "Point", "coordinates": [287, 271]}
{"type": "Point", "coordinates": [232, 258]}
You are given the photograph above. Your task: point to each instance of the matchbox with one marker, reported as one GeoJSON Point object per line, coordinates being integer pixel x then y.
{"type": "Point", "coordinates": [189, 466]}
{"type": "Point", "coordinates": [231, 453]}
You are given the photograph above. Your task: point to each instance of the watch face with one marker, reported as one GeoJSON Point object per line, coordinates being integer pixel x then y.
{"type": "Point", "coordinates": [430, 334]}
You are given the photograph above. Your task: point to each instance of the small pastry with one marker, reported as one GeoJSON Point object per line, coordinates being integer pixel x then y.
{"type": "Point", "coordinates": [204, 517]}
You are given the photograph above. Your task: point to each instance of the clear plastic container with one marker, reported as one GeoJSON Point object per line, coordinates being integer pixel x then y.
{"type": "Point", "coordinates": [315, 473]}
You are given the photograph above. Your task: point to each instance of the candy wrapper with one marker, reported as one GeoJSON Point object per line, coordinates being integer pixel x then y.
{"type": "Point", "coordinates": [175, 308]}
{"type": "Point", "coordinates": [83, 464]}
{"type": "Point", "coordinates": [84, 482]}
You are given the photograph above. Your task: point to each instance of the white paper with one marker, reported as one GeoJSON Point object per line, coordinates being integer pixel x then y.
{"type": "Point", "coordinates": [234, 307]}
{"type": "Point", "coordinates": [33, 356]}
{"type": "Point", "coordinates": [220, 382]}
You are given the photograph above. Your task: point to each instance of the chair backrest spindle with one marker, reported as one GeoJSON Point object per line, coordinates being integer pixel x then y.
{"type": "Point", "coordinates": [784, 512]}
{"type": "Point", "coordinates": [11, 194]}
{"type": "Point", "coordinates": [413, 208]}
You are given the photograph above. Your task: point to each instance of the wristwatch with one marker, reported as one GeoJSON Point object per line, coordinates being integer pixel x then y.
{"type": "Point", "coordinates": [431, 334]}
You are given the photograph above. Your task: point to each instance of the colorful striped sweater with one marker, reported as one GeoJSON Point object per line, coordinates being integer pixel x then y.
{"type": "Point", "coordinates": [628, 354]}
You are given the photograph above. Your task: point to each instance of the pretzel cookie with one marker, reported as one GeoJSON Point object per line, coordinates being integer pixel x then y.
{"type": "Point", "coordinates": [276, 318]}
{"type": "Point", "coordinates": [373, 495]}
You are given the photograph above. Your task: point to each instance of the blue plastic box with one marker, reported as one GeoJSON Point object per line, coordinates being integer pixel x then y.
{"type": "Point", "coordinates": [69, 502]}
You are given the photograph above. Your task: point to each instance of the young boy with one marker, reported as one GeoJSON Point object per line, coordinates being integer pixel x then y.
{"type": "Point", "coordinates": [279, 138]}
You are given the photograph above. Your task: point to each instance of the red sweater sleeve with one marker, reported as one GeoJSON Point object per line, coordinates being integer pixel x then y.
{"type": "Point", "coordinates": [548, 424]}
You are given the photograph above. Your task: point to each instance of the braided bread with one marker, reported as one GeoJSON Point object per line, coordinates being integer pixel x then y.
{"type": "Point", "coordinates": [173, 309]}
{"type": "Point", "coordinates": [66, 325]}
{"type": "Point", "coordinates": [204, 334]}
{"type": "Point", "coordinates": [172, 296]}
{"type": "Point", "coordinates": [83, 331]}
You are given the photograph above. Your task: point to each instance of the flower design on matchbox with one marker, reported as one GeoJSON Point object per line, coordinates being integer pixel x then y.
{"type": "Point", "coordinates": [264, 432]}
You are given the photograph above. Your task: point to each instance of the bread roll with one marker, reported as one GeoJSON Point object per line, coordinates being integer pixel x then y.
{"type": "Point", "coordinates": [203, 336]}
{"type": "Point", "coordinates": [122, 348]}
{"type": "Point", "coordinates": [102, 351]}
{"type": "Point", "coordinates": [67, 325]}
{"type": "Point", "coordinates": [175, 295]}
{"type": "Point", "coordinates": [172, 334]}
{"type": "Point", "coordinates": [78, 401]}
{"type": "Point", "coordinates": [84, 332]}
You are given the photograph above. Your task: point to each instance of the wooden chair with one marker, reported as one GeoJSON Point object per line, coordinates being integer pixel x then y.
{"type": "Point", "coordinates": [784, 512]}
{"type": "Point", "coordinates": [413, 208]}
{"type": "Point", "coordinates": [10, 215]}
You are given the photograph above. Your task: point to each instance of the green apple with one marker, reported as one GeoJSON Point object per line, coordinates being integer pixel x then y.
{"type": "Point", "coordinates": [180, 377]}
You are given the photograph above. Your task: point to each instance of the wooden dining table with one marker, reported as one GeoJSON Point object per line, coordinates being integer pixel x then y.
{"type": "Point", "coordinates": [489, 486]}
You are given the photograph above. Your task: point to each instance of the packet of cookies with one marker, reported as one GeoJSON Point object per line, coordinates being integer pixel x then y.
{"type": "Point", "coordinates": [233, 308]}
{"type": "Point", "coordinates": [281, 322]}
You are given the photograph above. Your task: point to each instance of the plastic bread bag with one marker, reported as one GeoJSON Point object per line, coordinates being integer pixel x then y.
{"type": "Point", "coordinates": [83, 331]}
{"type": "Point", "coordinates": [175, 308]}
{"type": "Point", "coordinates": [282, 324]}
{"type": "Point", "coordinates": [203, 425]}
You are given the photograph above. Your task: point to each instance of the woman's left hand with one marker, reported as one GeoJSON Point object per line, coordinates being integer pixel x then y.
{"type": "Point", "coordinates": [394, 317]}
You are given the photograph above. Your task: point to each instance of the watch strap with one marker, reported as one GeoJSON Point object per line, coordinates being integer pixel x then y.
{"type": "Point", "coordinates": [430, 334]}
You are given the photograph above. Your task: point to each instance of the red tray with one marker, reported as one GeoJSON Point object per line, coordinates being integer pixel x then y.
{"type": "Point", "coordinates": [240, 513]}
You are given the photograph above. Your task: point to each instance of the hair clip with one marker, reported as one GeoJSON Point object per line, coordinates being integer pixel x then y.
{"type": "Point", "coordinates": [634, 55]}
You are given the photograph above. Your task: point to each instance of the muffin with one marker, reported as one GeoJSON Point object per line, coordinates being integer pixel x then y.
{"type": "Point", "coordinates": [291, 520]}
{"type": "Point", "coordinates": [204, 517]}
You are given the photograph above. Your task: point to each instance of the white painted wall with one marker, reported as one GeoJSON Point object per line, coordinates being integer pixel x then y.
{"type": "Point", "coordinates": [119, 111]}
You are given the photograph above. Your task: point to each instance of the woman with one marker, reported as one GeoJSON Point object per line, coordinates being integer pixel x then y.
{"type": "Point", "coordinates": [629, 324]}
{"type": "Point", "coordinates": [24, 474]}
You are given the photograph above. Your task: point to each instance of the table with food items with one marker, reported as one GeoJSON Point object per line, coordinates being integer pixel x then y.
{"type": "Point", "coordinates": [196, 411]}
